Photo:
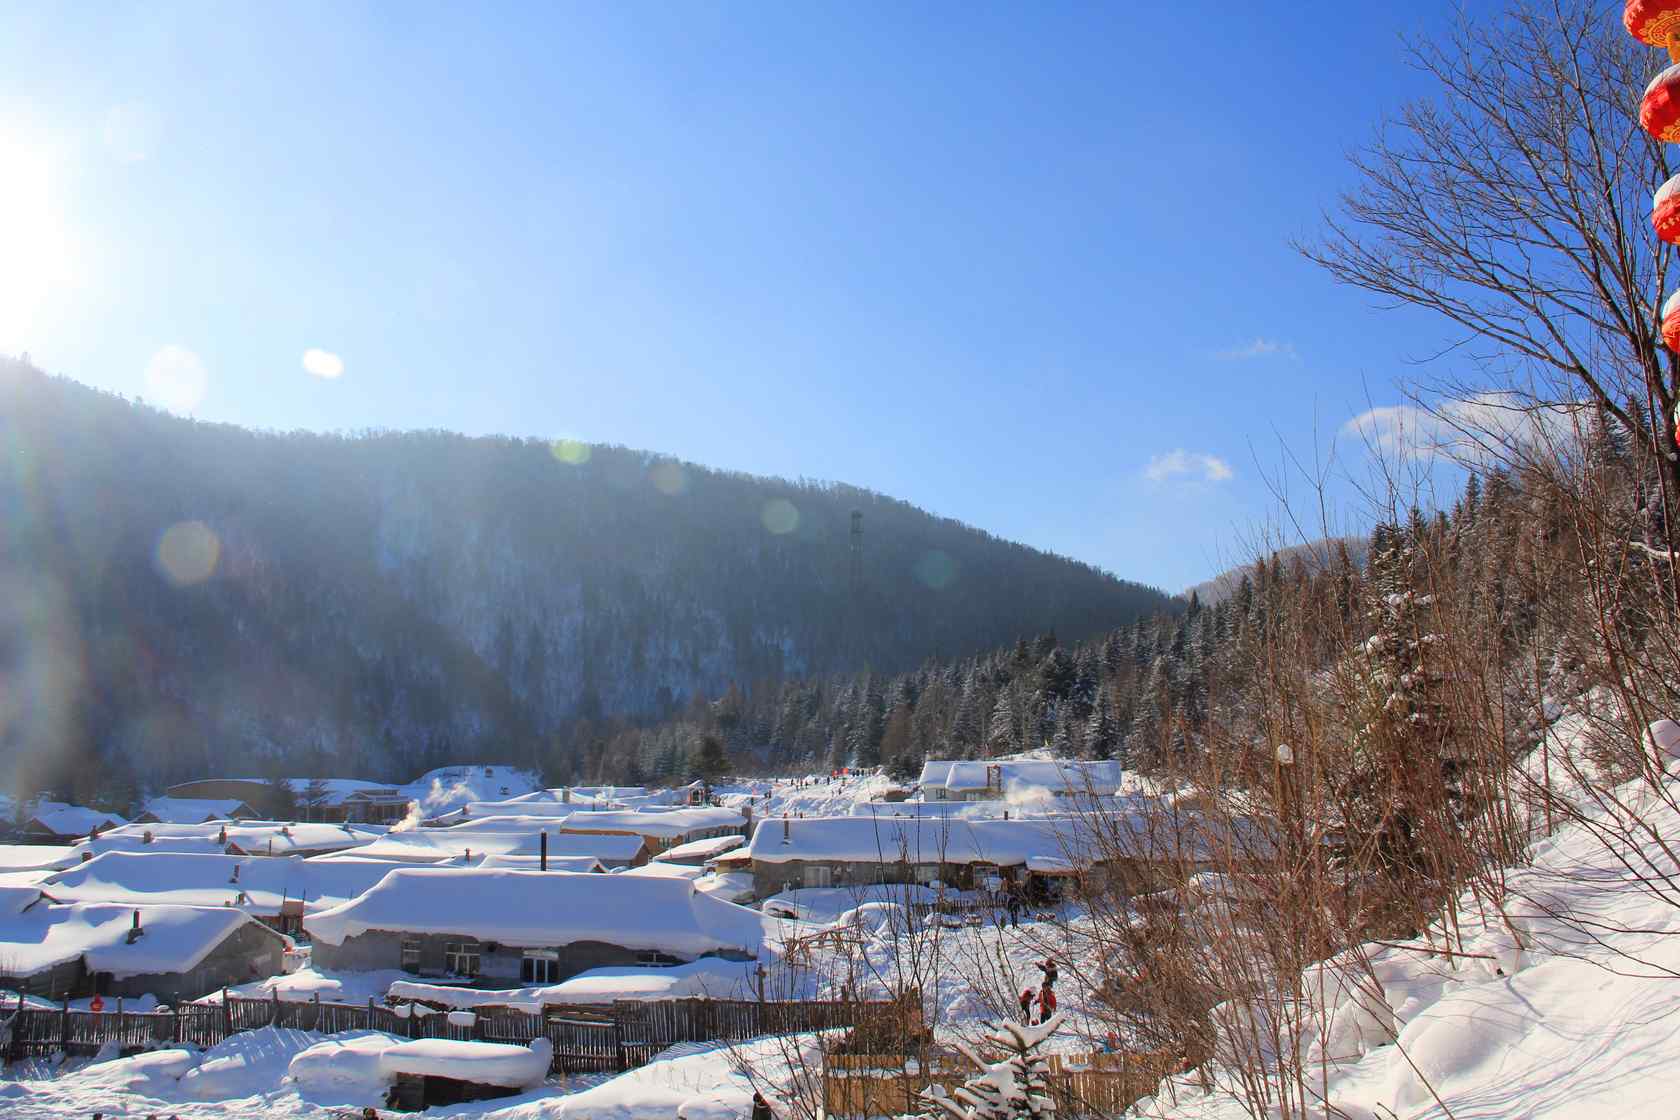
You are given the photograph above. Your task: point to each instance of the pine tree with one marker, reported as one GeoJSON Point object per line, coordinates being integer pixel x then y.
{"type": "Point", "coordinates": [1101, 732]}
{"type": "Point", "coordinates": [1017, 1088]}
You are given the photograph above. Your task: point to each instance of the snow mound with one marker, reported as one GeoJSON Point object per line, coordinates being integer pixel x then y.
{"type": "Point", "coordinates": [344, 1068]}
{"type": "Point", "coordinates": [486, 1063]}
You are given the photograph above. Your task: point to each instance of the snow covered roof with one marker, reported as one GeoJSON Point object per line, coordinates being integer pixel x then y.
{"type": "Point", "coordinates": [1062, 776]}
{"type": "Point", "coordinates": [916, 839]}
{"type": "Point", "coordinates": [71, 820]}
{"type": "Point", "coordinates": [193, 810]}
{"type": "Point", "coordinates": [35, 857]}
{"type": "Point", "coordinates": [687, 871]}
{"type": "Point", "coordinates": [668, 825]}
{"type": "Point", "coordinates": [533, 908]}
{"type": "Point", "coordinates": [429, 845]}
{"type": "Point", "coordinates": [534, 863]}
{"type": "Point", "coordinates": [700, 850]}
{"type": "Point", "coordinates": [253, 837]}
{"type": "Point", "coordinates": [175, 938]}
{"type": "Point", "coordinates": [192, 879]}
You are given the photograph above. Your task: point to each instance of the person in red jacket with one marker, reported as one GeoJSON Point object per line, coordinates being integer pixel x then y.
{"type": "Point", "coordinates": [1046, 1002]}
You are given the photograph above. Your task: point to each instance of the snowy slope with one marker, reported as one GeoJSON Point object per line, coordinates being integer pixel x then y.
{"type": "Point", "coordinates": [1563, 1004]}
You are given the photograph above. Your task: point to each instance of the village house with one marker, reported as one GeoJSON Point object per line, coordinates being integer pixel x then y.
{"type": "Point", "coordinates": [957, 780]}
{"type": "Point", "coordinates": [474, 840]}
{"type": "Point", "coordinates": [697, 853]}
{"type": "Point", "coordinates": [661, 829]}
{"type": "Point", "coordinates": [984, 855]}
{"type": "Point", "coordinates": [503, 927]}
{"type": "Point", "coordinates": [252, 838]}
{"type": "Point", "coordinates": [194, 810]}
{"type": "Point", "coordinates": [277, 892]}
{"type": "Point", "coordinates": [55, 822]}
{"type": "Point", "coordinates": [68, 950]}
{"type": "Point", "coordinates": [329, 800]}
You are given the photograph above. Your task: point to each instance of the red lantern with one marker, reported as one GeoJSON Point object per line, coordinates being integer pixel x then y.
{"type": "Point", "coordinates": [1656, 22]}
{"type": "Point", "coordinates": [1659, 109]}
{"type": "Point", "coordinates": [1665, 211]}
{"type": "Point", "coordinates": [1671, 322]}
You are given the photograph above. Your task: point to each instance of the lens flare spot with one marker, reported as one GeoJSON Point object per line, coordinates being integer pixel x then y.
{"type": "Point", "coordinates": [187, 553]}
{"type": "Point", "coordinates": [936, 569]}
{"type": "Point", "coordinates": [779, 516]}
{"type": "Point", "coordinates": [323, 364]}
{"type": "Point", "coordinates": [176, 379]}
{"type": "Point", "coordinates": [573, 451]}
{"type": "Point", "coordinates": [669, 478]}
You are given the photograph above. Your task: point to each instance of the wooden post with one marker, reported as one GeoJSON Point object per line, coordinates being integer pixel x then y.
{"type": "Point", "coordinates": [121, 1031]}
{"type": "Point", "coordinates": [369, 1023]}
{"type": "Point", "coordinates": [64, 1026]}
{"type": "Point", "coordinates": [227, 1011]}
{"type": "Point", "coordinates": [274, 1018]}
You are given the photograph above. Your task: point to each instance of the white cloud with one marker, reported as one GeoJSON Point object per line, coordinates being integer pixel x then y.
{"type": "Point", "coordinates": [1195, 466]}
{"type": "Point", "coordinates": [1259, 348]}
{"type": "Point", "coordinates": [323, 364]}
{"type": "Point", "coordinates": [1468, 428]}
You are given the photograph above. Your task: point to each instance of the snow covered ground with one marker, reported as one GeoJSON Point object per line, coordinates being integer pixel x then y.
{"type": "Point", "coordinates": [1562, 1002]}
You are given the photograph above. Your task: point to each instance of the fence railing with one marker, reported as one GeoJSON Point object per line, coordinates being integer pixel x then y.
{"type": "Point", "coordinates": [589, 1038]}
{"type": "Point", "coordinates": [864, 1086]}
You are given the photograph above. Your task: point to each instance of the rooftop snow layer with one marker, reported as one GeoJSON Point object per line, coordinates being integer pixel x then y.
{"type": "Point", "coordinates": [193, 879]}
{"type": "Point", "coordinates": [74, 820]}
{"type": "Point", "coordinates": [1055, 775]}
{"type": "Point", "coordinates": [175, 938]}
{"type": "Point", "coordinates": [429, 845]}
{"type": "Point", "coordinates": [194, 810]}
{"type": "Point", "coordinates": [667, 825]}
{"type": "Point", "coordinates": [534, 908]}
{"type": "Point", "coordinates": [700, 850]}
{"type": "Point", "coordinates": [916, 839]}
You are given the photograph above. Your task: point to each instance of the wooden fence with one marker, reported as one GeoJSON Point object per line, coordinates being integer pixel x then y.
{"type": "Point", "coordinates": [861, 1086]}
{"type": "Point", "coordinates": [586, 1038]}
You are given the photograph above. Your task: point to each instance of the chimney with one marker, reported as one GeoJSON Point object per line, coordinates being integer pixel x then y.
{"type": "Point", "coordinates": [786, 838]}
{"type": "Point", "coordinates": [544, 864]}
{"type": "Point", "coordinates": [145, 837]}
{"type": "Point", "coordinates": [134, 931]}
{"type": "Point", "coordinates": [566, 796]}
{"type": "Point", "coordinates": [221, 837]}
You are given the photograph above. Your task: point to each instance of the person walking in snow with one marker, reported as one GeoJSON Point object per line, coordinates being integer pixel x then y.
{"type": "Point", "coordinates": [761, 1107]}
{"type": "Point", "coordinates": [1012, 901]}
{"type": "Point", "coordinates": [1027, 997]}
{"type": "Point", "coordinates": [1046, 1003]}
{"type": "Point", "coordinates": [1049, 970]}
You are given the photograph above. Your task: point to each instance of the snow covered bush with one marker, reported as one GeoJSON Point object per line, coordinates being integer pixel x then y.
{"type": "Point", "coordinates": [1018, 1086]}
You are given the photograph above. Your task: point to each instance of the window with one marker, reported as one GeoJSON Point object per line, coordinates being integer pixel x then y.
{"type": "Point", "coordinates": [540, 966]}
{"type": "Point", "coordinates": [411, 954]}
{"type": "Point", "coordinates": [652, 957]}
{"type": "Point", "coordinates": [819, 875]}
{"type": "Point", "coordinates": [460, 958]}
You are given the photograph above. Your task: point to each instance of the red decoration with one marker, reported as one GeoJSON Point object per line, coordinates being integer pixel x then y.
{"type": "Point", "coordinates": [1671, 322]}
{"type": "Point", "coordinates": [1656, 22]}
{"type": "Point", "coordinates": [1659, 109]}
{"type": "Point", "coordinates": [1665, 211]}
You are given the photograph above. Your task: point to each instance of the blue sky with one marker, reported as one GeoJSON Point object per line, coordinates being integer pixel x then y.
{"type": "Point", "coordinates": [1025, 265]}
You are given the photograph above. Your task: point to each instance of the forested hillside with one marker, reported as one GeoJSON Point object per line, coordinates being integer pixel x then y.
{"type": "Point", "coordinates": [186, 598]}
{"type": "Point", "coordinates": [1175, 691]}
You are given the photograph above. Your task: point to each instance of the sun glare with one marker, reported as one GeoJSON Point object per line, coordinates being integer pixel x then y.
{"type": "Point", "coordinates": [35, 246]}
